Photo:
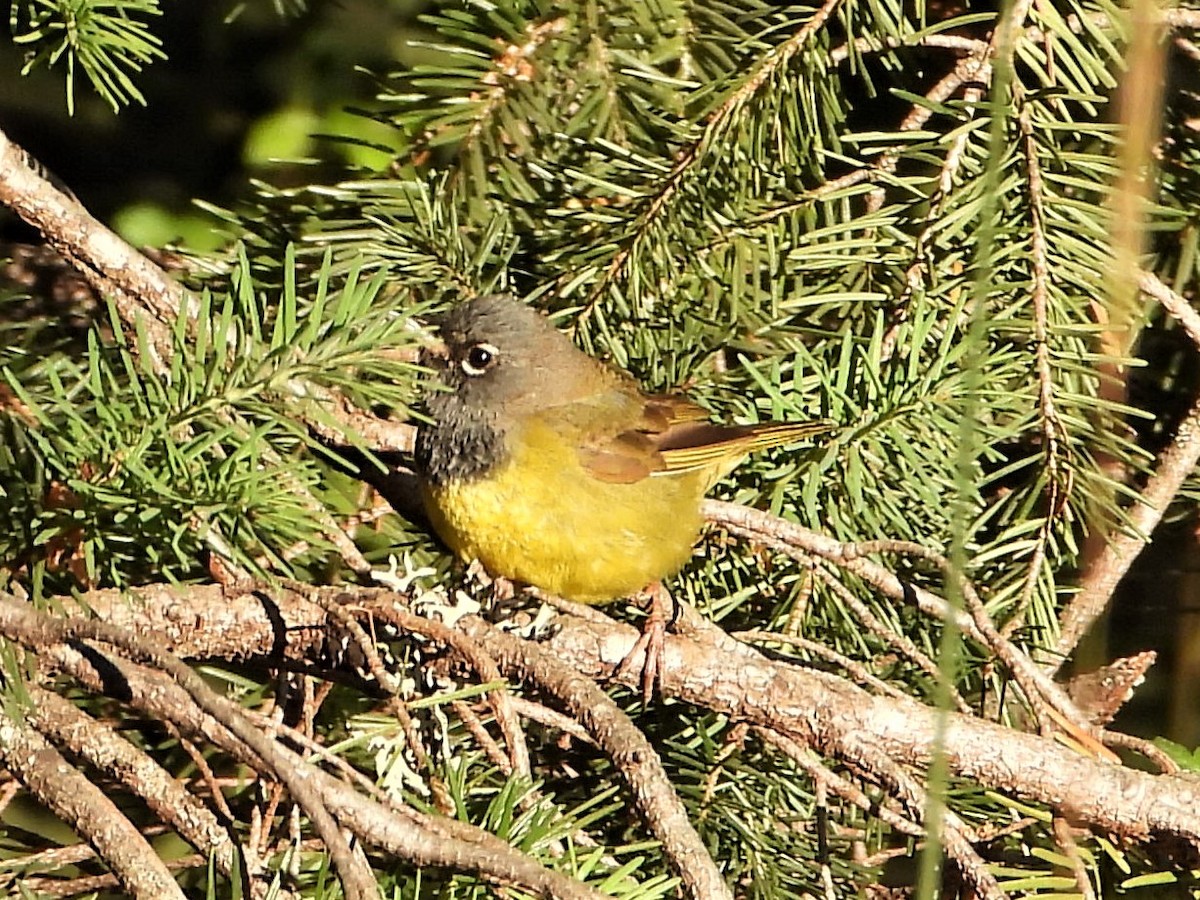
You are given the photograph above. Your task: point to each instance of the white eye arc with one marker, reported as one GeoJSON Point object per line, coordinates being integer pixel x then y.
{"type": "Point", "coordinates": [479, 358]}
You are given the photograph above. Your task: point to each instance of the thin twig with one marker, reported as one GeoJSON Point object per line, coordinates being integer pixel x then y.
{"type": "Point", "coordinates": [630, 751]}
{"type": "Point", "coordinates": [888, 43]}
{"type": "Point", "coordinates": [422, 839]}
{"type": "Point", "coordinates": [551, 718]}
{"type": "Point", "coordinates": [809, 762]}
{"type": "Point", "coordinates": [973, 67]}
{"type": "Point", "coordinates": [900, 642]}
{"type": "Point", "coordinates": [1146, 748]}
{"type": "Point", "coordinates": [475, 725]}
{"type": "Point", "coordinates": [791, 538]}
{"type": "Point", "coordinates": [483, 664]}
{"type": "Point", "coordinates": [1044, 695]}
{"type": "Point", "coordinates": [206, 773]}
{"type": "Point", "coordinates": [1066, 840]}
{"type": "Point", "coordinates": [357, 880]}
{"type": "Point", "coordinates": [69, 855]}
{"type": "Point", "coordinates": [1175, 464]}
{"type": "Point", "coordinates": [45, 888]}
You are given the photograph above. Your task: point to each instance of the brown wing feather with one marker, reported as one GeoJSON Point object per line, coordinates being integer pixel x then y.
{"type": "Point", "coordinates": [625, 458]}
{"type": "Point", "coordinates": [672, 435]}
{"type": "Point", "coordinates": [673, 408]}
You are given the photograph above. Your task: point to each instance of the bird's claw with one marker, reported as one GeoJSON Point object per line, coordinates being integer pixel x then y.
{"type": "Point", "coordinates": [648, 650]}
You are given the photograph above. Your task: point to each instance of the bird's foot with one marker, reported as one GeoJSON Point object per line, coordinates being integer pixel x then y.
{"type": "Point", "coordinates": [647, 652]}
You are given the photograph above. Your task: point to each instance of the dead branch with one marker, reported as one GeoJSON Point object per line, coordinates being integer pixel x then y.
{"type": "Point", "coordinates": [145, 295]}
{"type": "Point", "coordinates": [797, 541]}
{"type": "Point", "coordinates": [499, 700]}
{"type": "Point", "coordinates": [36, 630]}
{"type": "Point", "coordinates": [420, 838]}
{"type": "Point", "coordinates": [71, 796]}
{"type": "Point", "coordinates": [822, 710]}
{"type": "Point", "coordinates": [832, 714]}
{"type": "Point", "coordinates": [98, 744]}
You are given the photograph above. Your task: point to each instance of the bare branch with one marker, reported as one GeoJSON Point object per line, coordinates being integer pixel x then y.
{"type": "Point", "coordinates": [68, 793]}
{"type": "Point", "coordinates": [420, 838]}
{"type": "Point", "coordinates": [719, 673]}
{"type": "Point", "coordinates": [832, 715]}
{"type": "Point", "coordinates": [88, 739]}
{"type": "Point", "coordinates": [36, 630]}
{"type": "Point", "coordinates": [793, 539]}
{"type": "Point", "coordinates": [628, 748]}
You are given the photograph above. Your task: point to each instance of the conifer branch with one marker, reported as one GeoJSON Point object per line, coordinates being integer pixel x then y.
{"type": "Point", "coordinates": [147, 296]}
{"type": "Point", "coordinates": [714, 127]}
{"type": "Point", "coordinates": [148, 299]}
{"type": "Point", "coordinates": [710, 183]}
{"type": "Point", "coordinates": [512, 68]}
{"type": "Point", "coordinates": [713, 671]}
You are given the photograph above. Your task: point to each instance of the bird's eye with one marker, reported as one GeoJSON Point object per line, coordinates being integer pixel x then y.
{"type": "Point", "coordinates": [479, 359]}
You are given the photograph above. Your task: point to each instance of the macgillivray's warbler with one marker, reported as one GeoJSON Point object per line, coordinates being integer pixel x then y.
{"type": "Point", "coordinates": [554, 469]}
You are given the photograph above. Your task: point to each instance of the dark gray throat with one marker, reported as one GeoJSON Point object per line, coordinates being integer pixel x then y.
{"type": "Point", "coordinates": [461, 445]}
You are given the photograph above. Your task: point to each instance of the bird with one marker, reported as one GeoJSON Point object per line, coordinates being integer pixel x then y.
{"type": "Point", "coordinates": [555, 469]}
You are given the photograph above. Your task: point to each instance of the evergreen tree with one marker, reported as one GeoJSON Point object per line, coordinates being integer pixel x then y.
{"type": "Point", "coordinates": [951, 230]}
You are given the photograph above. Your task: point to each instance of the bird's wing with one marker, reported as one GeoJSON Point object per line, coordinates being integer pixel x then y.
{"type": "Point", "coordinates": [615, 433]}
{"type": "Point", "coordinates": [667, 434]}
{"type": "Point", "coordinates": [688, 446]}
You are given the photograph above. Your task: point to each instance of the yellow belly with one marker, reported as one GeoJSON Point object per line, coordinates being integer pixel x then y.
{"type": "Point", "coordinates": [541, 519]}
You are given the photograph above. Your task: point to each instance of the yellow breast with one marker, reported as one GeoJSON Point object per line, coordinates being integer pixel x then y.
{"type": "Point", "coordinates": [539, 518]}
